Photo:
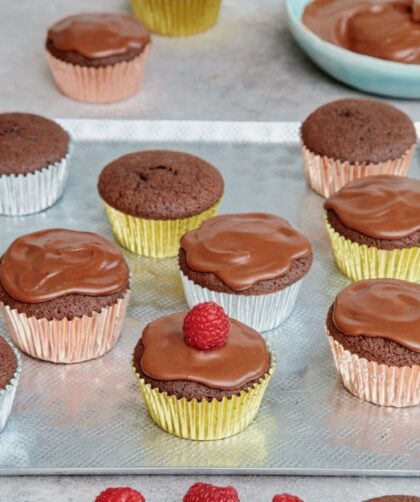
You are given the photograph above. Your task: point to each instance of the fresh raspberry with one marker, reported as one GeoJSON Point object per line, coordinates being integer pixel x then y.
{"type": "Point", "coordinates": [120, 495]}
{"type": "Point", "coordinates": [205, 492]}
{"type": "Point", "coordinates": [206, 326]}
{"type": "Point", "coordinates": [286, 497]}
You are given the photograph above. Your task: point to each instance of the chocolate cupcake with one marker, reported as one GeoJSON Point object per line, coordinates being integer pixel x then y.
{"type": "Point", "coordinates": [202, 375]}
{"type": "Point", "coordinates": [10, 369]}
{"type": "Point", "coordinates": [33, 165]}
{"type": "Point", "coordinates": [252, 264]}
{"type": "Point", "coordinates": [98, 58]}
{"type": "Point", "coordinates": [373, 330]}
{"type": "Point", "coordinates": [374, 228]}
{"type": "Point", "coordinates": [395, 498]}
{"type": "Point", "coordinates": [64, 294]}
{"type": "Point", "coordinates": [153, 197]}
{"type": "Point", "coordinates": [353, 138]}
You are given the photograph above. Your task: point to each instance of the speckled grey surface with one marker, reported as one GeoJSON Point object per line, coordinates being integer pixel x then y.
{"type": "Point", "coordinates": [247, 68]}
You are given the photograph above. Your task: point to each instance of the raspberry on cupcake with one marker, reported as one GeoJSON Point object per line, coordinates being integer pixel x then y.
{"type": "Point", "coordinates": [252, 264]}
{"type": "Point", "coordinates": [374, 228]}
{"type": "Point", "coordinates": [123, 494]}
{"type": "Point", "coordinates": [353, 138]}
{"type": "Point", "coordinates": [199, 379]}
{"type": "Point", "coordinates": [202, 492]}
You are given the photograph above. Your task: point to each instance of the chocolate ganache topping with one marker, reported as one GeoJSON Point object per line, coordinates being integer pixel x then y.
{"type": "Point", "coordinates": [243, 249]}
{"type": "Point", "coordinates": [52, 263]}
{"type": "Point", "coordinates": [383, 207]}
{"type": "Point", "coordinates": [98, 35]}
{"type": "Point", "coordinates": [384, 29]}
{"type": "Point", "coordinates": [167, 357]}
{"type": "Point", "coordinates": [382, 308]}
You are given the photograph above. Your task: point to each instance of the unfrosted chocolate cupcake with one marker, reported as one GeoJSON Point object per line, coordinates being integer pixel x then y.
{"type": "Point", "coordinates": [374, 227]}
{"type": "Point", "coordinates": [252, 264]}
{"type": "Point", "coordinates": [202, 375]}
{"type": "Point", "coordinates": [153, 197]}
{"type": "Point", "coordinates": [10, 369]}
{"type": "Point", "coordinates": [98, 57]}
{"type": "Point", "coordinates": [64, 293]}
{"type": "Point", "coordinates": [353, 138]}
{"type": "Point", "coordinates": [33, 163]}
{"type": "Point", "coordinates": [373, 330]}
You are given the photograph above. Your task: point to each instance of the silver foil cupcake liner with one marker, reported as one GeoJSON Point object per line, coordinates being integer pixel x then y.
{"type": "Point", "coordinates": [68, 341]}
{"type": "Point", "coordinates": [7, 395]}
{"type": "Point", "coordinates": [261, 312]}
{"type": "Point", "coordinates": [30, 193]}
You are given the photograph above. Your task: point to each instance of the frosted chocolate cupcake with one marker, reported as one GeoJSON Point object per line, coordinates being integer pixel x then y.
{"type": "Point", "coordinates": [252, 264]}
{"type": "Point", "coordinates": [10, 369]}
{"type": "Point", "coordinates": [395, 498]}
{"type": "Point", "coordinates": [33, 163]}
{"type": "Point", "coordinates": [373, 330]}
{"type": "Point", "coordinates": [153, 197]}
{"type": "Point", "coordinates": [64, 294]}
{"type": "Point", "coordinates": [202, 375]}
{"type": "Point", "coordinates": [353, 138]}
{"type": "Point", "coordinates": [374, 228]}
{"type": "Point", "coordinates": [98, 57]}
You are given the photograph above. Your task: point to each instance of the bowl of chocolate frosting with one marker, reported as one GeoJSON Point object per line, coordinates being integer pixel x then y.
{"type": "Point", "coordinates": [372, 45]}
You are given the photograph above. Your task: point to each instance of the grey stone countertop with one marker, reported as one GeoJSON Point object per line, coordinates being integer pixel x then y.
{"type": "Point", "coordinates": [246, 68]}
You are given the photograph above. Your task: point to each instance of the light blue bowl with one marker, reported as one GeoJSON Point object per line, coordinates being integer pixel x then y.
{"type": "Point", "coordinates": [362, 72]}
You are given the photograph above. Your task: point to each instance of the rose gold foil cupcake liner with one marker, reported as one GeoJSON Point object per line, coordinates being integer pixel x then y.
{"type": "Point", "coordinates": [377, 383]}
{"type": "Point", "coordinates": [68, 341]}
{"type": "Point", "coordinates": [326, 176]}
{"type": "Point", "coordinates": [99, 85]}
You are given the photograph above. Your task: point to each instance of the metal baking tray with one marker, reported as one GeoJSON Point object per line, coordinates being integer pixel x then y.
{"type": "Point", "coordinates": [89, 418]}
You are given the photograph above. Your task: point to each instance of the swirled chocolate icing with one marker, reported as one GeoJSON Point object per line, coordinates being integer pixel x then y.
{"type": "Point", "coordinates": [48, 264]}
{"type": "Point", "coordinates": [384, 29]}
{"type": "Point", "coordinates": [383, 207]}
{"type": "Point", "coordinates": [243, 249]}
{"type": "Point", "coordinates": [381, 308]}
{"type": "Point", "coordinates": [167, 357]}
{"type": "Point", "coordinates": [98, 35]}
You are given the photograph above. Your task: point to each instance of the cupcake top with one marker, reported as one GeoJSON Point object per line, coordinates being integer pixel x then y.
{"type": "Point", "coordinates": [395, 498]}
{"type": "Point", "coordinates": [97, 39]}
{"type": "Point", "coordinates": [8, 363]}
{"type": "Point", "coordinates": [29, 143]}
{"type": "Point", "coordinates": [358, 130]}
{"type": "Point", "coordinates": [381, 207]}
{"type": "Point", "coordinates": [215, 352]}
{"type": "Point", "coordinates": [62, 273]}
{"type": "Point", "coordinates": [243, 250]}
{"type": "Point", "coordinates": [160, 185]}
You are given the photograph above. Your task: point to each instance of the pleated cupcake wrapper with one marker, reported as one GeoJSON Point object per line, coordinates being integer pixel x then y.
{"type": "Point", "coordinates": [32, 192]}
{"type": "Point", "coordinates": [153, 238]}
{"type": "Point", "coordinates": [358, 261]}
{"type": "Point", "coordinates": [326, 176]}
{"type": "Point", "coordinates": [204, 420]}
{"type": "Point", "coordinates": [377, 383]}
{"type": "Point", "coordinates": [103, 84]}
{"type": "Point", "coordinates": [7, 395]}
{"type": "Point", "coordinates": [177, 17]}
{"type": "Point", "coordinates": [261, 312]}
{"type": "Point", "coordinates": [68, 341]}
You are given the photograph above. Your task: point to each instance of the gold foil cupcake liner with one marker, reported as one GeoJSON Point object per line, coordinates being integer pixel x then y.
{"type": "Point", "coordinates": [359, 261]}
{"type": "Point", "coordinates": [8, 393]}
{"type": "Point", "coordinates": [177, 17]}
{"type": "Point", "coordinates": [68, 341]}
{"type": "Point", "coordinates": [204, 420]}
{"type": "Point", "coordinates": [153, 238]}
{"type": "Point", "coordinates": [377, 383]}
{"type": "Point", "coordinates": [326, 176]}
{"type": "Point", "coordinates": [103, 84]}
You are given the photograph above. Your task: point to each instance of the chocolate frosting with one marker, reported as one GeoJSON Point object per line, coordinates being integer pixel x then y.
{"type": "Point", "coordinates": [98, 35]}
{"type": "Point", "coordinates": [243, 249]}
{"type": "Point", "coordinates": [167, 357]}
{"type": "Point", "coordinates": [383, 207]}
{"type": "Point", "coordinates": [49, 264]}
{"type": "Point", "coordinates": [383, 29]}
{"type": "Point", "coordinates": [382, 308]}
